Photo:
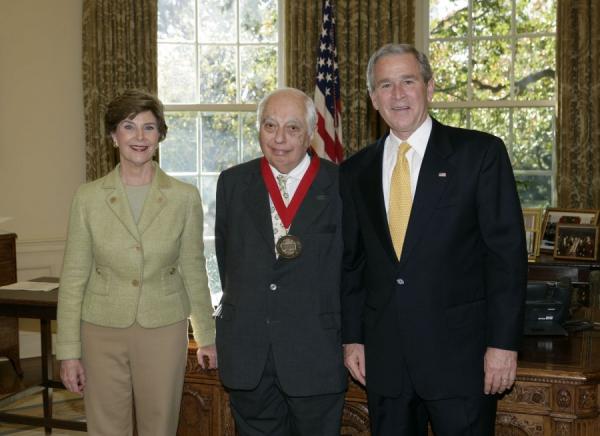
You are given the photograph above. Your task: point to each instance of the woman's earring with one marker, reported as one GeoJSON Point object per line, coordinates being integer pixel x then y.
{"type": "Point", "coordinates": [115, 144]}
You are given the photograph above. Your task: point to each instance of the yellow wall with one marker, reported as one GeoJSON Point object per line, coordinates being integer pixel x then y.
{"type": "Point", "coordinates": [42, 158]}
{"type": "Point", "coordinates": [41, 116]}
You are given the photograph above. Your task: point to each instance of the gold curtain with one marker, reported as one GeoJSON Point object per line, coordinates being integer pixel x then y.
{"type": "Point", "coordinates": [362, 26]}
{"type": "Point", "coordinates": [119, 52]}
{"type": "Point", "coordinates": [578, 130]}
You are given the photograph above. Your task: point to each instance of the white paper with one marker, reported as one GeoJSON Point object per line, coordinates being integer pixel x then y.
{"type": "Point", "coordinates": [31, 286]}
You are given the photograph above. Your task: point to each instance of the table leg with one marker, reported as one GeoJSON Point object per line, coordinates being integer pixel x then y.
{"type": "Point", "coordinates": [47, 373]}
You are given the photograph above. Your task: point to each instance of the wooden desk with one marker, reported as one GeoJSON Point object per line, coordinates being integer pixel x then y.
{"type": "Point", "coordinates": [556, 393]}
{"type": "Point", "coordinates": [42, 306]}
{"type": "Point", "coordinates": [557, 388]}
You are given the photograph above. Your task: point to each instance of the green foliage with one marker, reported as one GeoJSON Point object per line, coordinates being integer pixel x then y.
{"type": "Point", "coordinates": [488, 57]}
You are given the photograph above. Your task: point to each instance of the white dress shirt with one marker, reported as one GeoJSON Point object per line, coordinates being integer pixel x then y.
{"type": "Point", "coordinates": [418, 143]}
{"type": "Point", "coordinates": [294, 176]}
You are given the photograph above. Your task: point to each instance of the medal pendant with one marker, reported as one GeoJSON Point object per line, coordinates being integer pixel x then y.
{"type": "Point", "coordinates": [289, 247]}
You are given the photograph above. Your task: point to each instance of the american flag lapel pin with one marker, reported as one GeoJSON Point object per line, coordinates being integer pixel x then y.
{"type": "Point", "coordinates": [442, 174]}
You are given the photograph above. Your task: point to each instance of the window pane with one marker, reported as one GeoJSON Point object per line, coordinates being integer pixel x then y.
{"type": "Point", "coordinates": [258, 20]}
{"type": "Point", "coordinates": [178, 152]}
{"type": "Point", "coordinates": [534, 68]}
{"type": "Point", "coordinates": [212, 270]}
{"type": "Point", "coordinates": [217, 74]}
{"type": "Point", "coordinates": [176, 20]}
{"type": "Point", "coordinates": [192, 180]}
{"type": "Point", "coordinates": [534, 191]}
{"type": "Point", "coordinates": [492, 120]}
{"type": "Point", "coordinates": [217, 21]}
{"type": "Point", "coordinates": [250, 146]}
{"type": "Point", "coordinates": [209, 193]}
{"type": "Point", "coordinates": [450, 63]}
{"type": "Point", "coordinates": [492, 17]}
{"type": "Point", "coordinates": [447, 19]}
{"type": "Point", "coordinates": [219, 141]}
{"type": "Point", "coordinates": [534, 139]}
{"type": "Point", "coordinates": [491, 69]}
{"type": "Point", "coordinates": [176, 73]}
{"type": "Point", "coordinates": [536, 16]}
{"type": "Point", "coordinates": [451, 117]}
{"type": "Point", "coordinates": [258, 67]}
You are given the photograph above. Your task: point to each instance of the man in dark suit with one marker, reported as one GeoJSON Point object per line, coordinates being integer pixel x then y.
{"type": "Point", "coordinates": [434, 262]}
{"type": "Point", "coordinates": [279, 249]}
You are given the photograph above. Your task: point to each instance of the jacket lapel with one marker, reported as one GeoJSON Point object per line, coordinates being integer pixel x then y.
{"type": "Point", "coordinates": [372, 189]}
{"type": "Point", "coordinates": [256, 200]}
{"type": "Point", "coordinates": [313, 205]}
{"type": "Point", "coordinates": [435, 175]}
{"type": "Point", "coordinates": [155, 201]}
{"type": "Point", "coordinates": [117, 201]}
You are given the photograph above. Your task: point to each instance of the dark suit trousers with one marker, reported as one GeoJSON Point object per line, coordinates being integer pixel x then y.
{"type": "Point", "coordinates": [267, 410]}
{"type": "Point", "coordinates": [407, 414]}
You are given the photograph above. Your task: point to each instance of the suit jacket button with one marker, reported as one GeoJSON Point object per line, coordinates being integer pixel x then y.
{"type": "Point", "coordinates": [135, 283]}
{"type": "Point", "coordinates": [400, 281]}
{"type": "Point", "coordinates": [273, 287]}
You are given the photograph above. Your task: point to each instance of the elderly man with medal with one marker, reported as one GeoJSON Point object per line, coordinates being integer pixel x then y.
{"type": "Point", "coordinates": [279, 245]}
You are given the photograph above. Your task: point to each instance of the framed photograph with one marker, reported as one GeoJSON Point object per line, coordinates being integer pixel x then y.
{"type": "Point", "coordinates": [532, 218]}
{"type": "Point", "coordinates": [556, 216]}
{"type": "Point", "coordinates": [576, 241]}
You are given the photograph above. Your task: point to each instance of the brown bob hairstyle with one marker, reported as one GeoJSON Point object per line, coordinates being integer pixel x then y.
{"type": "Point", "coordinates": [128, 105]}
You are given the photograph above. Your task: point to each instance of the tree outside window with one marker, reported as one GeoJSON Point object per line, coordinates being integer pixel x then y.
{"type": "Point", "coordinates": [216, 60]}
{"type": "Point", "coordinates": [495, 70]}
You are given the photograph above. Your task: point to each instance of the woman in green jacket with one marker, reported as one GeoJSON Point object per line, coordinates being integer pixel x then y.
{"type": "Point", "coordinates": [134, 271]}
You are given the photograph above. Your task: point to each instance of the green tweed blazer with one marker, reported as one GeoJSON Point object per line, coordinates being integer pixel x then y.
{"type": "Point", "coordinates": [116, 273]}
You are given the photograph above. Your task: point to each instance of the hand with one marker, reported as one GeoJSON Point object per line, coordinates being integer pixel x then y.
{"type": "Point", "coordinates": [207, 356]}
{"type": "Point", "coordinates": [354, 359]}
{"type": "Point", "coordinates": [72, 375]}
{"type": "Point", "coordinates": [500, 367]}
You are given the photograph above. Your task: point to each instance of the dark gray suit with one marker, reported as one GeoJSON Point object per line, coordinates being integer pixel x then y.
{"type": "Point", "coordinates": [290, 308]}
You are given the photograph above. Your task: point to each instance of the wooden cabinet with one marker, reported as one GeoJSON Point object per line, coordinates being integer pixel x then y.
{"type": "Point", "coordinates": [205, 405]}
{"type": "Point", "coordinates": [556, 393]}
{"type": "Point", "coordinates": [9, 327]}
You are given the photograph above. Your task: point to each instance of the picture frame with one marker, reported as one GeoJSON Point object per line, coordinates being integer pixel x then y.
{"type": "Point", "coordinates": [554, 216]}
{"type": "Point", "coordinates": [532, 219]}
{"type": "Point", "coordinates": [576, 241]}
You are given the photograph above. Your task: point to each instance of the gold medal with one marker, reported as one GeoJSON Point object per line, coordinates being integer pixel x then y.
{"type": "Point", "coordinates": [289, 247]}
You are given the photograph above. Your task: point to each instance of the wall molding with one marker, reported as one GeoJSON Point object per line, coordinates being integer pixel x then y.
{"type": "Point", "coordinates": [41, 257]}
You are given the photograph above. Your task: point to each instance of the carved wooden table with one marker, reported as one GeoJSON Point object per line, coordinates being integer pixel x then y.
{"type": "Point", "coordinates": [556, 394]}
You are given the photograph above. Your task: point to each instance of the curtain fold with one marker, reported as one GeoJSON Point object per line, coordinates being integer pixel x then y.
{"type": "Point", "coordinates": [578, 120]}
{"type": "Point", "coordinates": [362, 26]}
{"type": "Point", "coordinates": [119, 52]}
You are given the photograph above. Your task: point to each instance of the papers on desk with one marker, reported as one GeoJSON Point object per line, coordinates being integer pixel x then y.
{"type": "Point", "coordinates": [31, 286]}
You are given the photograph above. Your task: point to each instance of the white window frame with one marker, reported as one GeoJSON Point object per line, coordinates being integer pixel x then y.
{"type": "Point", "coordinates": [226, 107]}
{"type": "Point", "coordinates": [422, 43]}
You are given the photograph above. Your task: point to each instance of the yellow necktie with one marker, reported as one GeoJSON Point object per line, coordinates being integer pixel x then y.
{"type": "Point", "coordinates": [400, 199]}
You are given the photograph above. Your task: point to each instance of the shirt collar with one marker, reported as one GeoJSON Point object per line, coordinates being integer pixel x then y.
{"type": "Point", "coordinates": [418, 139]}
{"type": "Point", "coordinates": [298, 171]}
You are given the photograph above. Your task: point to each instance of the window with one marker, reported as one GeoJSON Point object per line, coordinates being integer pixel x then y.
{"type": "Point", "coordinates": [216, 60]}
{"type": "Point", "coordinates": [494, 68]}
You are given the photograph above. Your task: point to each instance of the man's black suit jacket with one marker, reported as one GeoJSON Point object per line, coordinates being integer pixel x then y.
{"type": "Point", "coordinates": [291, 306]}
{"type": "Point", "coordinates": [460, 283]}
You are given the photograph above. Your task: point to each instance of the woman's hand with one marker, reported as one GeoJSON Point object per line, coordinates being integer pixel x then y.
{"type": "Point", "coordinates": [207, 356]}
{"type": "Point", "coordinates": [72, 375]}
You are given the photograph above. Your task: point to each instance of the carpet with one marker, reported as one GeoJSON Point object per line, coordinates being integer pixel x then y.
{"type": "Point", "coordinates": [65, 405]}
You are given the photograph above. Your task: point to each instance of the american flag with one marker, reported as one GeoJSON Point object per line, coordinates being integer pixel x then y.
{"type": "Point", "coordinates": [328, 139]}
